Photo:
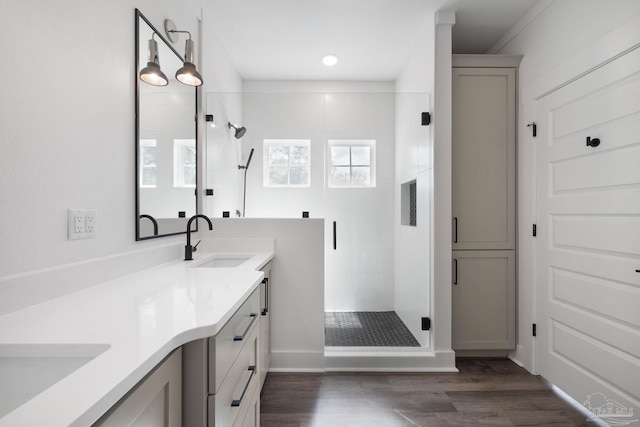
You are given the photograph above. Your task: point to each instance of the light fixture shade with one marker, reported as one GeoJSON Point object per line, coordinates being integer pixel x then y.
{"type": "Point", "coordinates": [188, 73]}
{"type": "Point", "coordinates": [152, 74]}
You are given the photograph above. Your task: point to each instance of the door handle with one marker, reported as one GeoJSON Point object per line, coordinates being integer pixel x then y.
{"type": "Point", "coordinates": [455, 271]}
{"type": "Point", "coordinates": [455, 229]}
{"type": "Point", "coordinates": [593, 142]}
{"type": "Point", "coordinates": [335, 235]}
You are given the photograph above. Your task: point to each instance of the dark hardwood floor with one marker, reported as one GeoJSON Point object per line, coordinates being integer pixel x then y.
{"type": "Point", "coordinates": [484, 392]}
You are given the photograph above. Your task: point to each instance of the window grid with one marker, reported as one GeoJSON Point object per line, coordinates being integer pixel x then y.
{"type": "Point", "coordinates": [286, 163]}
{"type": "Point", "coordinates": [184, 163]}
{"type": "Point", "coordinates": [148, 156]}
{"type": "Point", "coordinates": [349, 170]}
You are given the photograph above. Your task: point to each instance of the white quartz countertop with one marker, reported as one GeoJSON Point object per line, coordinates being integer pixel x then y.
{"type": "Point", "coordinates": [139, 319]}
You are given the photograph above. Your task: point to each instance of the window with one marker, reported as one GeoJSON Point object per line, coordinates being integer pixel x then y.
{"type": "Point", "coordinates": [184, 163]}
{"type": "Point", "coordinates": [287, 163]}
{"type": "Point", "coordinates": [148, 167]}
{"type": "Point", "coordinates": [352, 163]}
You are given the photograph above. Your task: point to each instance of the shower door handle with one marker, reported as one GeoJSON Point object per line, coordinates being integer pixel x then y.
{"type": "Point", "coordinates": [335, 236]}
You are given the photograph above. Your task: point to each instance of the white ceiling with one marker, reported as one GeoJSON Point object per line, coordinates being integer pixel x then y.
{"type": "Point", "coordinates": [285, 39]}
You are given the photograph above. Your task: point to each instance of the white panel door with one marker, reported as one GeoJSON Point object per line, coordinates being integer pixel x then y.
{"type": "Point", "coordinates": [588, 310]}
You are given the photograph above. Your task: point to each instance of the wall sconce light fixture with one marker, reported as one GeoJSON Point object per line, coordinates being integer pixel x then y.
{"type": "Point", "coordinates": [187, 74]}
{"type": "Point", "coordinates": [152, 73]}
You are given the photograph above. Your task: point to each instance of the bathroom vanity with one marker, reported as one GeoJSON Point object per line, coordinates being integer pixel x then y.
{"type": "Point", "coordinates": [120, 348]}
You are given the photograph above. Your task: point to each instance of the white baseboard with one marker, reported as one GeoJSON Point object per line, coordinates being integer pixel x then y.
{"type": "Point", "coordinates": [303, 361]}
{"type": "Point", "coordinates": [388, 360]}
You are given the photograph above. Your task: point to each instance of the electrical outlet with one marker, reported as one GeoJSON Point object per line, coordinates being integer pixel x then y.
{"type": "Point", "coordinates": [82, 224]}
{"type": "Point", "coordinates": [78, 221]}
{"type": "Point", "coordinates": [90, 222]}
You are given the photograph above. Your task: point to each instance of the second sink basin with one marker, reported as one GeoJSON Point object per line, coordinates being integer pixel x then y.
{"type": "Point", "coordinates": [224, 262]}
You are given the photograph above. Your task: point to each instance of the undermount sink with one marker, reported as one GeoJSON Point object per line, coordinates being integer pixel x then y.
{"type": "Point", "coordinates": [26, 370]}
{"type": "Point", "coordinates": [224, 262]}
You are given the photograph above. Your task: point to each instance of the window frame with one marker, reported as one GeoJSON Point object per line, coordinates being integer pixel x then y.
{"type": "Point", "coordinates": [266, 165]}
{"type": "Point", "coordinates": [179, 165]}
{"type": "Point", "coordinates": [144, 143]}
{"type": "Point", "coordinates": [350, 143]}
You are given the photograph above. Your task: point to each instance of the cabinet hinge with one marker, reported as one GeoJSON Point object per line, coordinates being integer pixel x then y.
{"type": "Point", "coordinates": [534, 128]}
{"type": "Point", "coordinates": [426, 323]}
{"type": "Point", "coordinates": [533, 330]}
{"type": "Point", "coordinates": [535, 230]}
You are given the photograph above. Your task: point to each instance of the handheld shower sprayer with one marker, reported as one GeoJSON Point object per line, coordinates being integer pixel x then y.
{"type": "Point", "coordinates": [244, 189]}
{"type": "Point", "coordinates": [248, 160]}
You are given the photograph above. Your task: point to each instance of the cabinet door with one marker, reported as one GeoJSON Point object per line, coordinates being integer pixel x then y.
{"type": "Point", "coordinates": [483, 158]}
{"type": "Point", "coordinates": [483, 300]}
{"type": "Point", "coordinates": [155, 401]}
{"type": "Point", "coordinates": [265, 324]}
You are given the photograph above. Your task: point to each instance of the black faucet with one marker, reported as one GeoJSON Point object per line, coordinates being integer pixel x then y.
{"type": "Point", "coordinates": [189, 250]}
{"type": "Point", "coordinates": [153, 220]}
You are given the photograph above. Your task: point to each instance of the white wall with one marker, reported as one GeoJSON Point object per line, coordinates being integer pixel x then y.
{"type": "Point", "coordinates": [559, 40]}
{"type": "Point", "coordinates": [441, 274]}
{"type": "Point", "coordinates": [67, 139]}
{"type": "Point", "coordinates": [359, 274]}
{"type": "Point", "coordinates": [296, 285]}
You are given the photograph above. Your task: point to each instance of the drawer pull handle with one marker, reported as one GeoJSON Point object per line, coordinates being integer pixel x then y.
{"type": "Point", "coordinates": [250, 371]}
{"type": "Point", "coordinates": [254, 316]}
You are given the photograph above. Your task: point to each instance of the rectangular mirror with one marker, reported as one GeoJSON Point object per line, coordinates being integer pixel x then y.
{"type": "Point", "coordinates": [165, 140]}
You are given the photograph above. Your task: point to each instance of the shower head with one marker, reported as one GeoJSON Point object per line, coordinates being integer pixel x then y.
{"type": "Point", "coordinates": [240, 131]}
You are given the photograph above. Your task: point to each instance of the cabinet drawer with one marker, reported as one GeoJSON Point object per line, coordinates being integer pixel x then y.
{"type": "Point", "coordinates": [227, 344]}
{"type": "Point", "coordinates": [236, 396]}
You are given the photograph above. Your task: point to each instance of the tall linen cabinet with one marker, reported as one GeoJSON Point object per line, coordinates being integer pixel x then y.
{"type": "Point", "coordinates": [484, 203]}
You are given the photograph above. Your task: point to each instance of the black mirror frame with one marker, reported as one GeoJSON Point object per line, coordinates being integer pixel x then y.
{"type": "Point", "coordinates": [138, 16]}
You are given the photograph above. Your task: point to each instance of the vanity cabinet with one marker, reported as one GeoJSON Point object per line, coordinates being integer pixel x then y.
{"type": "Point", "coordinates": [265, 323]}
{"type": "Point", "coordinates": [484, 202]}
{"type": "Point", "coordinates": [221, 374]}
{"type": "Point", "coordinates": [155, 401]}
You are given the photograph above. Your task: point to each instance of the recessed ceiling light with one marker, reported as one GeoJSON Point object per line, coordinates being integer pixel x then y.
{"type": "Point", "coordinates": [329, 60]}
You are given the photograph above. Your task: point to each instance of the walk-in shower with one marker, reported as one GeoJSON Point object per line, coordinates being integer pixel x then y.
{"type": "Point", "coordinates": [341, 156]}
